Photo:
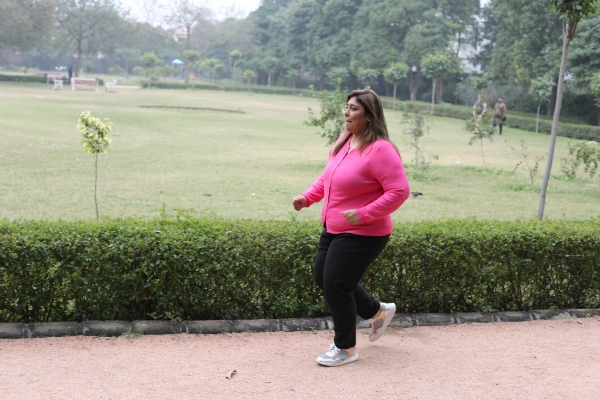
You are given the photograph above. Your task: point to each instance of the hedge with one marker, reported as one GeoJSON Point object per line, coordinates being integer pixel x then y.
{"type": "Point", "coordinates": [241, 88]}
{"type": "Point", "coordinates": [570, 130]}
{"type": "Point", "coordinates": [32, 78]}
{"type": "Point", "coordinates": [220, 269]}
{"type": "Point", "coordinates": [22, 78]}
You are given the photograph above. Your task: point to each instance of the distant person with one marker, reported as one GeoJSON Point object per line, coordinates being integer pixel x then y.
{"type": "Point", "coordinates": [70, 70]}
{"type": "Point", "coordinates": [362, 184]}
{"type": "Point", "coordinates": [499, 113]}
{"type": "Point", "coordinates": [479, 107]}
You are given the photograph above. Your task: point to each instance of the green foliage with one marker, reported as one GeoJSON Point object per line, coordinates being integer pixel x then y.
{"type": "Point", "coordinates": [368, 76]}
{"type": "Point", "coordinates": [88, 67]}
{"type": "Point", "coordinates": [480, 126]}
{"type": "Point", "coordinates": [479, 83]}
{"type": "Point", "coordinates": [149, 60]}
{"type": "Point", "coordinates": [418, 125]}
{"type": "Point", "coordinates": [438, 65]}
{"type": "Point", "coordinates": [94, 133]}
{"type": "Point", "coordinates": [249, 75]}
{"type": "Point", "coordinates": [139, 71]}
{"type": "Point", "coordinates": [195, 269]}
{"type": "Point", "coordinates": [191, 56]}
{"type": "Point", "coordinates": [531, 165]}
{"type": "Point", "coordinates": [22, 78]}
{"type": "Point", "coordinates": [581, 152]}
{"type": "Point", "coordinates": [595, 89]}
{"type": "Point", "coordinates": [396, 73]}
{"type": "Point", "coordinates": [332, 121]}
{"type": "Point", "coordinates": [541, 88]}
{"type": "Point", "coordinates": [336, 73]}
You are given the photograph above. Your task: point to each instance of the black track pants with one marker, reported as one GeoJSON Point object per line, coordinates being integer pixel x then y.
{"type": "Point", "coordinates": [341, 261]}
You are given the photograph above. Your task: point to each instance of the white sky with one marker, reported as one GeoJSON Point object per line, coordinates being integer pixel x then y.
{"type": "Point", "coordinates": [218, 6]}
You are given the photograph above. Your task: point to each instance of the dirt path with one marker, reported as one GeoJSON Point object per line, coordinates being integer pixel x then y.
{"type": "Point", "coordinates": [526, 360]}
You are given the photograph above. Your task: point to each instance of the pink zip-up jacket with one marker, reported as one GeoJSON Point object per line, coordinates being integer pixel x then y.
{"type": "Point", "coordinates": [372, 182]}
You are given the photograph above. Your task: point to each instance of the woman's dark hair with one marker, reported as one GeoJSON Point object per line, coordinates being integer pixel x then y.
{"type": "Point", "coordinates": [376, 127]}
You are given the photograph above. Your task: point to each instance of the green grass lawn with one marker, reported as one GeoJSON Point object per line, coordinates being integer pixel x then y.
{"type": "Point", "coordinates": [246, 164]}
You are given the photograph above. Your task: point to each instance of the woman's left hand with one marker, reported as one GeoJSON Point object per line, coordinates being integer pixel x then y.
{"type": "Point", "coordinates": [351, 216]}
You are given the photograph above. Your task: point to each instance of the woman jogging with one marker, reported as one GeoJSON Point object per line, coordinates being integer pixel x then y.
{"type": "Point", "coordinates": [362, 184]}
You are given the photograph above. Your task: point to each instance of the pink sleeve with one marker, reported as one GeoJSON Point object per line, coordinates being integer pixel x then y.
{"type": "Point", "coordinates": [315, 193]}
{"type": "Point", "coordinates": [387, 168]}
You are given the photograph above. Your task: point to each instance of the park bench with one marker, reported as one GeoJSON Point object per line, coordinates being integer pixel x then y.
{"type": "Point", "coordinates": [58, 83]}
{"type": "Point", "coordinates": [84, 83]}
{"type": "Point", "coordinates": [111, 86]}
{"type": "Point", "coordinates": [51, 77]}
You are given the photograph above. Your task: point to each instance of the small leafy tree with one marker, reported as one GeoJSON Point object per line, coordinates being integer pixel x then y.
{"type": "Point", "coordinates": [332, 121]}
{"type": "Point", "coordinates": [235, 55]}
{"type": "Point", "coordinates": [480, 127]}
{"type": "Point", "coordinates": [595, 91]}
{"type": "Point", "coordinates": [435, 67]}
{"type": "Point", "coordinates": [581, 152]}
{"type": "Point", "coordinates": [531, 165]}
{"type": "Point", "coordinates": [88, 67]}
{"type": "Point", "coordinates": [149, 60]}
{"type": "Point", "coordinates": [368, 76]}
{"type": "Point", "coordinates": [95, 140]}
{"type": "Point", "coordinates": [292, 76]}
{"type": "Point", "coordinates": [248, 76]}
{"type": "Point", "coordinates": [271, 65]}
{"type": "Point", "coordinates": [540, 90]}
{"type": "Point", "coordinates": [418, 125]}
{"type": "Point", "coordinates": [336, 73]}
{"type": "Point", "coordinates": [395, 74]}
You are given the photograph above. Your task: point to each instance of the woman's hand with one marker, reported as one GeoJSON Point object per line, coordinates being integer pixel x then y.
{"type": "Point", "coordinates": [351, 216]}
{"type": "Point", "coordinates": [299, 202]}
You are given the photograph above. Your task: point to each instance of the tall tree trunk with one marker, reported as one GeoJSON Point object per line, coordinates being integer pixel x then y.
{"type": "Point", "coordinates": [414, 79]}
{"type": "Point", "coordinates": [396, 86]}
{"type": "Point", "coordinates": [79, 53]}
{"type": "Point", "coordinates": [598, 115]}
{"type": "Point", "coordinates": [439, 92]}
{"type": "Point", "coordinates": [321, 83]}
{"type": "Point", "coordinates": [269, 80]}
{"type": "Point", "coordinates": [537, 121]}
{"type": "Point", "coordinates": [554, 132]}
{"type": "Point", "coordinates": [552, 102]}
{"type": "Point", "coordinates": [433, 95]}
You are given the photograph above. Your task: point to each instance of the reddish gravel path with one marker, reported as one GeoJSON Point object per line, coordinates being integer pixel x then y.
{"type": "Point", "coordinates": [525, 360]}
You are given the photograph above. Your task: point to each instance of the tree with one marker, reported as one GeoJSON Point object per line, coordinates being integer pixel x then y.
{"type": "Point", "coordinates": [234, 56]}
{"type": "Point", "coordinates": [80, 20]}
{"type": "Point", "coordinates": [149, 60]}
{"type": "Point", "coordinates": [585, 54]}
{"type": "Point", "coordinates": [332, 121]}
{"type": "Point", "coordinates": [435, 67]}
{"type": "Point", "coordinates": [594, 86]}
{"type": "Point", "coordinates": [418, 125]}
{"type": "Point", "coordinates": [336, 73]}
{"type": "Point", "coordinates": [368, 76]}
{"type": "Point", "coordinates": [480, 126]}
{"type": "Point", "coordinates": [25, 24]}
{"type": "Point", "coordinates": [527, 43]}
{"type": "Point", "coordinates": [571, 12]}
{"type": "Point", "coordinates": [249, 76]}
{"type": "Point", "coordinates": [292, 75]}
{"type": "Point", "coordinates": [94, 137]}
{"type": "Point", "coordinates": [395, 74]}
{"type": "Point", "coordinates": [540, 90]}
{"type": "Point", "coordinates": [271, 65]}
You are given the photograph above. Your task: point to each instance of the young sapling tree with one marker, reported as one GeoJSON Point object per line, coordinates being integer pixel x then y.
{"type": "Point", "coordinates": [95, 140]}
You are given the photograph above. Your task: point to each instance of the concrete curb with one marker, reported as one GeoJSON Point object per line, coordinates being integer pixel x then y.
{"type": "Point", "coordinates": [118, 328]}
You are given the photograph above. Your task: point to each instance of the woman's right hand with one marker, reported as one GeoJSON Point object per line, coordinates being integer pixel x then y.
{"type": "Point", "coordinates": [299, 202]}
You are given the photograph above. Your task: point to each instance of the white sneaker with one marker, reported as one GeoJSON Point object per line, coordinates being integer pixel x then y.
{"type": "Point", "coordinates": [381, 320]}
{"type": "Point", "coordinates": [336, 357]}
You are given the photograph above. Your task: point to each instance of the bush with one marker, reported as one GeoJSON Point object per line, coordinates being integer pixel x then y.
{"type": "Point", "coordinates": [237, 88]}
{"type": "Point", "coordinates": [22, 78]}
{"type": "Point", "coordinates": [220, 269]}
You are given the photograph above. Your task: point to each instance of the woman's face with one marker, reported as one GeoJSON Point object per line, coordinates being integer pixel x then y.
{"type": "Point", "coordinates": [356, 117]}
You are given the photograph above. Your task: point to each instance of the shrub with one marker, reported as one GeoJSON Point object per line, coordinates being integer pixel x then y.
{"type": "Point", "coordinates": [219, 269]}
{"type": "Point", "coordinates": [22, 78]}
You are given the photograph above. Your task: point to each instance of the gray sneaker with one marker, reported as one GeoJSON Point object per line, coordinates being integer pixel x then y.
{"type": "Point", "coordinates": [381, 320]}
{"type": "Point", "coordinates": [336, 357]}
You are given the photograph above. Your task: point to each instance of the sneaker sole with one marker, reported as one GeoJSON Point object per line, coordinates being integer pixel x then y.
{"type": "Point", "coordinates": [386, 322]}
{"type": "Point", "coordinates": [350, 359]}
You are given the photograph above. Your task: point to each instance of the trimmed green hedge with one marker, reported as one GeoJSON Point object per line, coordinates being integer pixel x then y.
{"type": "Point", "coordinates": [239, 88]}
{"type": "Point", "coordinates": [22, 78]}
{"type": "Point", "coordinates": [575, 131]}
{"type": "Point", "coordinates": [32, 78]}
{"type": "Point", "coordinates": [220, 269]}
